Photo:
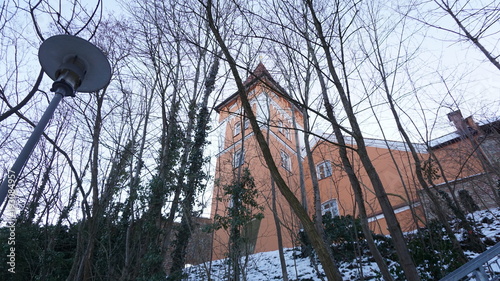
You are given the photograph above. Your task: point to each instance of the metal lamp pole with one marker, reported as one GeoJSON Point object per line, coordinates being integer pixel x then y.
{"type": "Point", "coordinates": [12, 175]}
{"type": "Point", "coordinates": [73, 63]}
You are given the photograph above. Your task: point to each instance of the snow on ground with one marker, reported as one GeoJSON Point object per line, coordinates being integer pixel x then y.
{"type": "Point", "coordinates": [266, 266]}
{"type": "Point", "coordinates": [261, 266]}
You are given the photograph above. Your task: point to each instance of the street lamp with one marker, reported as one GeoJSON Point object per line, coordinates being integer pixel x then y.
{"type": "Point", "coordinates": [75, 65]}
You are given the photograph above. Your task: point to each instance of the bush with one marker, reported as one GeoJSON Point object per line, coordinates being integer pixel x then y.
{"type": "Point", "coordinates": [345, 235]}
{"type": "Point", "coordinates": [467, 201]}
{"type": "Point", "coordinates": [433, 252]}
{"type": "Point", "coordinates": [33, 260]}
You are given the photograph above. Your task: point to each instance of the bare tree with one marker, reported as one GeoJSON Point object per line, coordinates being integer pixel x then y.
{"type": "Point", "coordinates": [476, 23]}
{"type": "Point", "coordinates": [330, 268]}
{"type": "Point", "coordinates": [344, 94]}
{"type": "Point", "coordinates": [374, 54]}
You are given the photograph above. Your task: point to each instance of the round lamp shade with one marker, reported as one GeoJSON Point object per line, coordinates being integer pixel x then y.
{"type": "Point", "coordinates": [95, 69]}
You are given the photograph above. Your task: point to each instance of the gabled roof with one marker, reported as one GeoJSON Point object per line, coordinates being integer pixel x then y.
{"type": "Point", "coordinates": [259, 74]}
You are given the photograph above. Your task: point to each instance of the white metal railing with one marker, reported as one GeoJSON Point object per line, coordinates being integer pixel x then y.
{"type": "Point", "coordinates": [484, 267]}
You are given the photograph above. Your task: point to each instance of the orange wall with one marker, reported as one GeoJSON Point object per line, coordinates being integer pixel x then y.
{"type": "Point", "coordinates": [225, 173]}
{"type": "Point", "coordinates": [400, 186]}
{"type": "Point", "coordinates": [458, 160]}
{"type": "Point", "coordinates": [396, 172]}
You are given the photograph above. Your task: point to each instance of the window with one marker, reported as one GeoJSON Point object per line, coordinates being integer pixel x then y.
{"type": "Point", "coordinates": [283, 129]}
{"type": "Point", "coordinates": [324, 170]}
{"type": "Point", "coordinates": [287, 133]}
{"type": "Point", "coordinates": [238, 158]}
{"type": "Point", "coordinates": [331, 207]}
{"type": "Point", "coordinates": [280, 126]}
{"type": "Point", "coordinates": [237, 128]}
{"type": "Point", "coordinates": [285, 161]}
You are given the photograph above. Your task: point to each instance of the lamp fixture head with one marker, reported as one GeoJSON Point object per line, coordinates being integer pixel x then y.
{"type": "Point", "coordinates": [75, 61]}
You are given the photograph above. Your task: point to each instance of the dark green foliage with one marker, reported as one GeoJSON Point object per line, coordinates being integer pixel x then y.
{"type": "Point", "coordinates": [347, 240]}
{"type": "Point", "coordinates": [345, 235]}
{"type": "Point", "coordinates": [119, 176]}
{"type": "Point", "coordinates": [109, 257]}
{"type": "Point", "coordinates": [467, 201]}
{"type": "Point", "coordinates": [305, 245]}
{"type": "Point", "coordinates": [498, 187]}
{"type": "Point", "coordinates": [243, 195]}
{"type": "Point", "coordinates": [33, 261]}
{"type": "Point", "coordinates": [152, 257]}
{"type": "Point", "coordinates": [182, 237]}
{"type": "Point", "coordinates": [341, 229]}
{"type": "Point", "coordinates": [453, 207]}
{"type": "Point", "coordinates": [48, 252]}
{"type": "Point", "coordinates": [433, 251]}
{"type": "Point", "coordinates": [430, 170]}
{"type": "Point", "coordinates": [164, 184]}
{"type": "Point", "coordinates": [195, 178]}
{"type": "Point", "coordinates": [473, 241]}
{"type": "Point", "coordinates": [243, 209]}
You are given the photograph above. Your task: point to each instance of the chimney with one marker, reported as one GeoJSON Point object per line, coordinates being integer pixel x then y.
{"type": "Point", "coordinates": [458, 120]}
{"type": "Point", "coordinates": [473, 127]}
{"type": "Point", "coordinates": [471, 123]}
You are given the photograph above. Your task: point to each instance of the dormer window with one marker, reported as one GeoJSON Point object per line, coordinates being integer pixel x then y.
{"type": "Point", "coordinates": [284, 129]}
{"type": "Point", "coordinates": [237, 126]}
{"type": "Point", "coordinates": [287, 133]}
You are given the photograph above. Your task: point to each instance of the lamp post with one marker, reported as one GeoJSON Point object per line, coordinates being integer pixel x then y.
{"type": "Point", "coordinates": [75, 65]}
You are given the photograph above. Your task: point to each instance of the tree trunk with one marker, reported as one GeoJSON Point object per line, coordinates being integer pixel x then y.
{"type": "Point", "coordinates": [329, 266]}
{"type": "Point", "coordinates": [353, 179]}
{"type": "Point", "coordinates": [405, 258]}
{"type": "Point", "coordinates": [277, 222]}
{"type": "Point", "coordinates": [195, 174]}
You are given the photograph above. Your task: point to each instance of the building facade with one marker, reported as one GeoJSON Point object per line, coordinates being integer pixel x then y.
{"type": "Point", "coordinates": [239, 151]}
{"type": "Point", "coordinates": [466, 163]}
{"type": "Point", "coordinates": [280, 120]}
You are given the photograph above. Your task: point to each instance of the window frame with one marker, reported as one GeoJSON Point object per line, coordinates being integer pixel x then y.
{"type": "Point", "coordinates": [238, 158]}
{"type": "Point", "coordinates": [281, 127]}
{"type": "Point", "coordinates": [237, 128]}
{"type": "Point", "coordinates": [286, 161]}
{"type": "Point", "coordinates": [333, 207]}
{"type": "Point", "coordinates": [327, 169]}
{"type": "Point", "coordinates": [287, 133]}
